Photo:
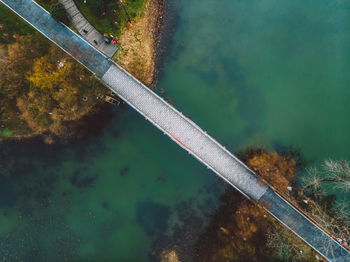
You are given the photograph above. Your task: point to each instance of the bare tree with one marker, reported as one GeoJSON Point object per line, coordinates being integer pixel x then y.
{"type": "Point", "coordinates": [336, 172]}
{"type": "Point", "coordinates": [343, 211]}
{"type": "Point", "coordinates": [336, 220]}
{"type": "Point", "coordinates": [286, 246]}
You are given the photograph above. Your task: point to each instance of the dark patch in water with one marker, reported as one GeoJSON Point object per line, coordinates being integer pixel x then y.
{"type": "Point", "coordinates": [105, 205]}
{"type": "Point", "coordinates": [166, 51]}
{"type": "Point", "coordinates": [80, 181]}
{"type": "Point", "coordinates": [60, 242]}
{"type": "Point", "coordinates": [67, 193]}
{"type": "Point", "coordinates": [116, 134]}
{"type": "Point", "coordinates": [7, 196]}
{"type": "Point", "coordinates": [94, 123]}
{"type": "Point", "coordinates": [296, 153]}
{"type": "Point", "coordinates": [152, 217]}
{"type": "Point", "coordinates": [161, 179]}
{"type": "Point", "coordinates": [211, 77]}
{"type": "Point", "coordinates": [123, 171]}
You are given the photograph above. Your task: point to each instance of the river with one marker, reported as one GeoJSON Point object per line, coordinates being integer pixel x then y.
{"type": "Point", "coordinates": [252, 73]}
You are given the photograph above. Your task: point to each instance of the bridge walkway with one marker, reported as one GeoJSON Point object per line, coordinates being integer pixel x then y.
{"type": "Point", "coordinates": [180, 129]}
{"type": "Point", "coordinates": [88, 32]}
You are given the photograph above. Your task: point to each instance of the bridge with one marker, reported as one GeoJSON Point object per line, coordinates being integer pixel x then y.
{"type": "Point", "coordinates": [180, 129]}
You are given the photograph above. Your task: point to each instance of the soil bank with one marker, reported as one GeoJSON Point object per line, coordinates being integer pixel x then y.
{"type": "Point", "coordinates": [139, 44]}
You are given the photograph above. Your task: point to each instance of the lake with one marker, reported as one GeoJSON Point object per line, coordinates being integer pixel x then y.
{"type": "Point", "coordinates": [251, 73]}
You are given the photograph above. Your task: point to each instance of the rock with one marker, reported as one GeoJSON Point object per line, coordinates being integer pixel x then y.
{"type": "Point", "coordinates": [169, 256]}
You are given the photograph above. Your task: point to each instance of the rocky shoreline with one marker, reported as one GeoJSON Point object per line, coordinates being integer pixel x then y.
{"type": "Point", "coordinates": [141, 46]}
{"type": "Point", "coordinates": [157, 41]}
{"type": "Point", "coordinates": [164, 36]}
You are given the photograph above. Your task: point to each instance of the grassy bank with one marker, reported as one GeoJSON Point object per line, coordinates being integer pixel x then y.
{"type": "Point", "coordinates": [11, 25]}
{"type": "Point", "coordinates": [109, 16]}
{"type": "Point", "coordinates": [138, 43]}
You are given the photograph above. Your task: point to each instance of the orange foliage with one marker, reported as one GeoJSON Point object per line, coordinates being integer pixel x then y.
{"type": "Point", "coordinates": [44, 89]}
{"type": "Point", "coordinates": [248, 219]}
{"type": "Point", "coordinates": [238, 230]}
{"type": "Point", "coordinates": [235, 232]}
{"type": "Point", "coordinates": [276, 169]}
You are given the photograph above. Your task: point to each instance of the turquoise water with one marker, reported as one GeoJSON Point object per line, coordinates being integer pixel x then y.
{"type": "Point", "coordinates": [266, 72]}
{"type": "Point", "coordinates": [263, 73]}
{"type": "Point", "coordinates": [102, 199]}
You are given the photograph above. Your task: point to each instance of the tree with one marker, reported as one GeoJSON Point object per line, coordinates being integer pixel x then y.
{"type": "Point", "coordinates": [11, 26]}
{"type": "Point", "coordinates": [58, 12]}
{"type": "Point", "coordinates": [276, 169]}
{"type": "Point", "coordinates": [14, 65]}
{"type": "Point", "coordinates": [60, 91]}
{"type": "Point", "coordinates": [330, 214]}
{"type": "Point", "coordinates": [112, 5]}
{"type": "Point", "coordinates": [335, 172]}
{"type": "Point", "coordinates": [286, 246]}
{"type": "Point", "coordinates": [235, 233]}
{"type": "Point", "coordinates": [96, 6]}
{"type": "Point", "coordinates": [42, 90]}
{"type": "Point", "coordinates": [241, 231]}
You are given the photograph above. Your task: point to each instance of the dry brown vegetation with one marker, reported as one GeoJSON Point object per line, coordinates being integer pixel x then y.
{"type": "Point", "coordinates": [43, 90]}
{"type": "Point", "coordinates": [242, 231]}
{"type": "Point", "coordinates": [234, 233]}
{"type": "Point", "coordinates": [138, 44]}
{"type": "Point", "coordinates": [276, 169]}
{"type": "Point", "coordinates": [169, 256]}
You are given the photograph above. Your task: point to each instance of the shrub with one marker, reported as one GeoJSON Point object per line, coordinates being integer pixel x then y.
{"type": "Point", "coordinates": [96, 6]}
{"type": "Point", "coordinates": [58, 12]}
{"type": "Point", "coordinates": [112, 6]}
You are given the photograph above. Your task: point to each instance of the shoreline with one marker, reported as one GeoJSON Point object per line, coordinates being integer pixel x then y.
{"type": "Point", "coordinates": [164, 36]}
{"type": "Point", "coordinates": [140, 47]}
{"type": "Point", "coordinates": [157, 41]}
{"type": "Point", "coordinates": [87, 127]}
{"type": "Point", "coordinates": [153, 18]}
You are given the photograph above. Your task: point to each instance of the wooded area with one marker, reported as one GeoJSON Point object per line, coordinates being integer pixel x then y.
{"type": "Point", "coordinates": [42, 90]}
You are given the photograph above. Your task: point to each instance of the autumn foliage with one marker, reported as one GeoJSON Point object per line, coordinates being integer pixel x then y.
{"type": "Point", "coordinates": [234, 233]}
{"type": "Point", "coordinates": [277, 170]}
{"type": "Point", "coordinates": [240, 231]}
{"type": "Point", "coordinates": [43, 90]}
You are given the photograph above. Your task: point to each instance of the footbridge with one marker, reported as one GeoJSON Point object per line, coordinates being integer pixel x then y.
{"type": "Point", "coordinates": [180, 129]}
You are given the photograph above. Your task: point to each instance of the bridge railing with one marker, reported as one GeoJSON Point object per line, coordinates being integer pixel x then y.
{"type": "Point", "coordinates": [193, 124]}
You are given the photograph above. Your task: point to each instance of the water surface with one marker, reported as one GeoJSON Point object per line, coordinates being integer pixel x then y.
{"type": "Point", "coordinates": [254, 72]}
{"type": "Point", "coordinates": [266, 72]}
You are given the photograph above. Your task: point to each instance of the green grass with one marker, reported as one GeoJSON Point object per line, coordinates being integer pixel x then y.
{"type": "Point", "coordinates": [46, 3]}
{"type": "Point", "coordinates": [105, 23]}
{"type": "Point", "coordinates": [14, 127]}
{"type": "Point", "coordinates": [11, 24]}
{"type": "Point", "coordinates": [5, 132]}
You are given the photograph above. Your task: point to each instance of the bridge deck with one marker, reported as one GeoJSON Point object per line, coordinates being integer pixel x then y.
{"type": "Point", "coordinates": [303, 227]}
{"type": "Point", "coordinates": [91, 35]}
{"type": "Point", "coordinates": [179, 128]}
{"type": "Point", "coordinates": [184, 132]}
{"type": "Point", "coordinates": [61, 35]}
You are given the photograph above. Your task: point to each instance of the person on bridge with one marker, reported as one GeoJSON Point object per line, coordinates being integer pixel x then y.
{"type": "Point", "coordinates": [342, 241]}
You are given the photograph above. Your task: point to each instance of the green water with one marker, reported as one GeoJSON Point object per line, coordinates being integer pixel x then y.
{"type": "Point", "coordinates": [264, 73]}
{"type": "Point", "coordinates": [102, 199]}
